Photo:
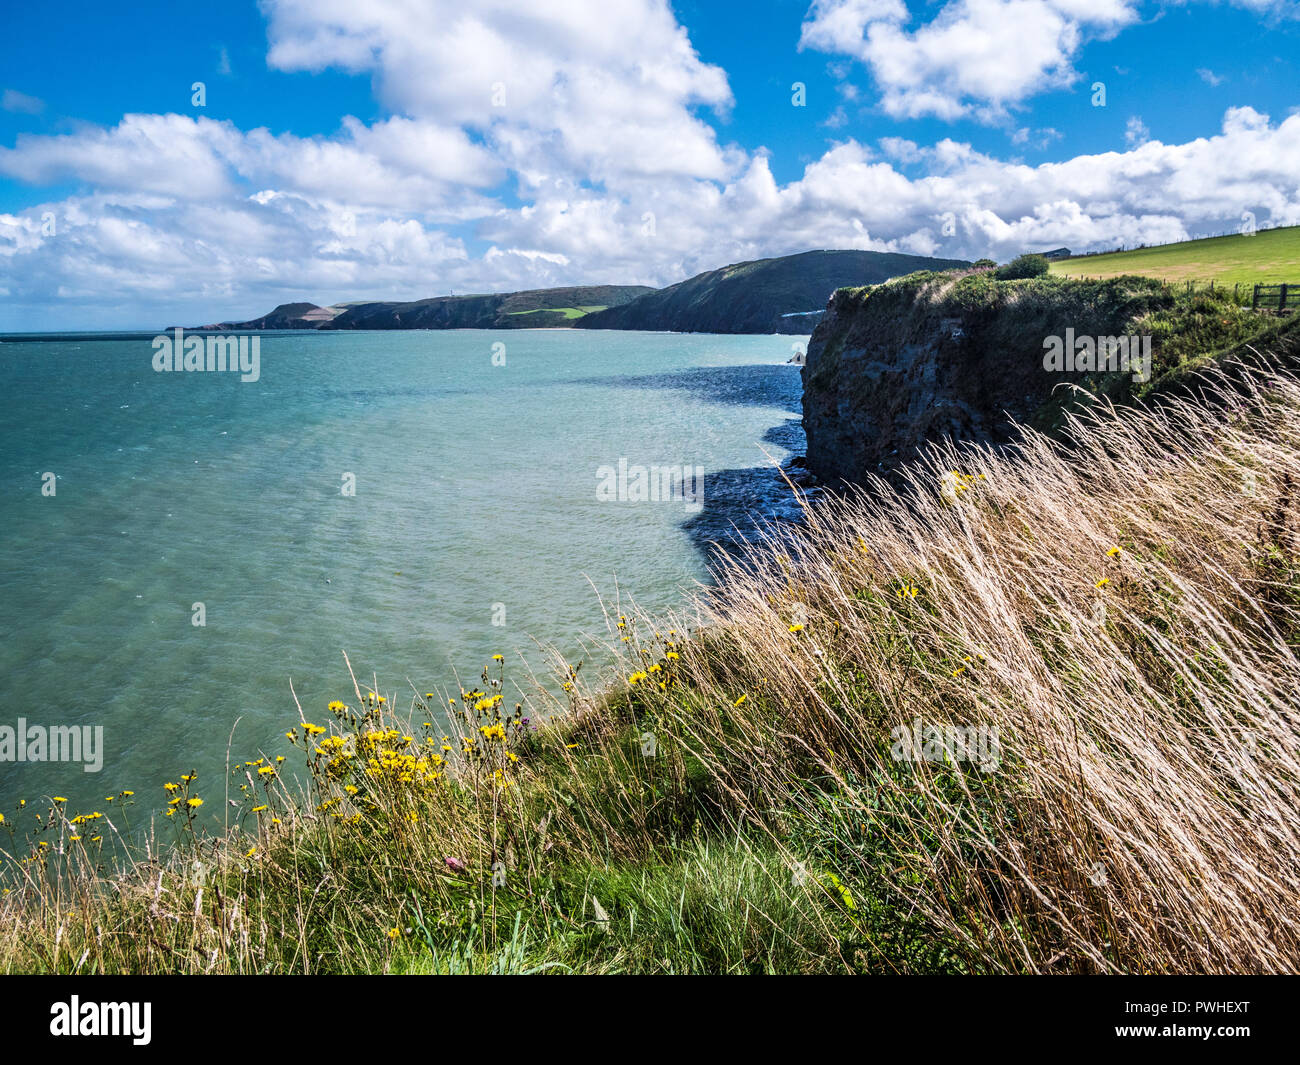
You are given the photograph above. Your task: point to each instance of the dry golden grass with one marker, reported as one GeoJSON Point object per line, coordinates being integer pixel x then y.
{"type": "Point", "coordinates": [1145, 815]}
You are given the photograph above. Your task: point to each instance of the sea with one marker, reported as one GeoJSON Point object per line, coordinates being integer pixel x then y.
{"type": "Point", "coordinates": [185, 557]}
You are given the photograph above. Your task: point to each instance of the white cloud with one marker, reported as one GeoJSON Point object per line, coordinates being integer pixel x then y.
{"type": "Point", "coordinates": [1136, 133]}
{"type": "Point", "coordinates": [854, 197]}
{"type": "Point", "coordinates": [598, 169]}
{"type": "Point", "coordinates": [170, 154]}
{"type": "Point", "coordinates": [399, 163]}
{"type": "Point", "coordinates": [20, 103]}
{"type": "Point", "coordinates": [975, 58]}
{"type": "Point", "coordinates": [1244, 120]}
{"type": "Point", "coordinates": [594, 88]}
{"type": "Point", "coordinates": [195, 259]}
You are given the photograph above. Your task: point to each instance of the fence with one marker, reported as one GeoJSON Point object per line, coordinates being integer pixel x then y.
{"type": "Point", "coordinates": [1276, 297]}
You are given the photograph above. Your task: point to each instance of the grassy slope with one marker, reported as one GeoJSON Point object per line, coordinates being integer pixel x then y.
{"type": "Point", "coordinates": [568, 312]}
{"type": "Point", "coordinates": [1269, 257]}
{"type": "Point", "coordinates": [750, 297]}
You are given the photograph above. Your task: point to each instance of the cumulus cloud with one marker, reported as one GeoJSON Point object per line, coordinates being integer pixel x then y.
{"type": "Point", "coordinates": [399, 162]}
{"type": "Point", "coordinates": [20, 103]}
{"type": "Point", "coordinates": [572, 179]}
{"type": "Point", "coordinates": [229, 255]}
{"type": "Point", "coordinates": [593, 88]}
{"type": "Point", "coordinates": [171, 154]}
{"type": "Point", "coordinates": [975, 58]}
{"type": "Point", "coordinates": [1136, 133]}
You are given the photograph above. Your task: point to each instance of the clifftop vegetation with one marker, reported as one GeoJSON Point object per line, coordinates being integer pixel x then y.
{"type": "Point", "coordinates": [961, 355]}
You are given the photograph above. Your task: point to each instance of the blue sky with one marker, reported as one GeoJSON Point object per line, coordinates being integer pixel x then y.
{"type": "Point", "coordinates": [405, 149]}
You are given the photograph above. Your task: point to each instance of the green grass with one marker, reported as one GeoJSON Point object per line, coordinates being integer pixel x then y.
{"type": "Point", "coordinates": [568, 312]}
{"type": "Point", "coordinates": [1269, 257]}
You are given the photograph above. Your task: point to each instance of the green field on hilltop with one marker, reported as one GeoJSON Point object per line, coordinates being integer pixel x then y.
{"type": "Point", "coordinates": [1266, 258]}
{"type": "Point", "coordinates": [568, 312]}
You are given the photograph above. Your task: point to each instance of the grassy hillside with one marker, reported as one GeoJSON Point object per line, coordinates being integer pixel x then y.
{"type": "Point", "coordinates": [568, 312]}
{"type": "Point", "coordinates": [1268, 257]}
{"type": "Point", "coordinates": [535, 308]}
{"type": "Point", "coordinates": [1118, 619]}
{"type": "Point", "coordinates": [756, 297]}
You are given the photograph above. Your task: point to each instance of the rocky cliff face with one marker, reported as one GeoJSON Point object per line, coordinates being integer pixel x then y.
{"type": "Point", "coordinates": [875, 388]}
{"type": "Point", "coordinates": [961, 355]}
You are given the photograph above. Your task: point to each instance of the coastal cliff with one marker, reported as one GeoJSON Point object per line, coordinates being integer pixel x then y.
{"type": "Point", "coordinates": [532, 309]}
{"type": "Point", "coordinates": [961, 356]}
{"type": "Point", "coordinates": [786, 294]}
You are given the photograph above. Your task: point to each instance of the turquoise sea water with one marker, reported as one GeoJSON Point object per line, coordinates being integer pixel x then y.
{"type": "Point", "coordinates": [475, 486]}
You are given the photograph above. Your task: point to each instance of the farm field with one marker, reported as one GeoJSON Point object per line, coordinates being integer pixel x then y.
{"type": "Point", "coordinates": [1268, 257]}
{"type": "Point", "coordinates": [568, 312]}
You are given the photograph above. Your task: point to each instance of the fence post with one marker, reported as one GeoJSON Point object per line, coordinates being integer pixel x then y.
{"type": "Point", "coordinates": [1254, 299]}
{"type": "Point", "coordinates": [1281, 303]}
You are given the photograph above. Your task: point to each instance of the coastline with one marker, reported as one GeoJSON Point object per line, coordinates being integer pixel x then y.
{"type": "Point", "coordinates": [752, 739]}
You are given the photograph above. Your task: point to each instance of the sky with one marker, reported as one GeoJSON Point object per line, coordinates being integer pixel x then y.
{"type": "Point", "coordinates": [202, 163]}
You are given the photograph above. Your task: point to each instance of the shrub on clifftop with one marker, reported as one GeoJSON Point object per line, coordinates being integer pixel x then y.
{"type": "Point", "coordinates": [1024, 266]}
